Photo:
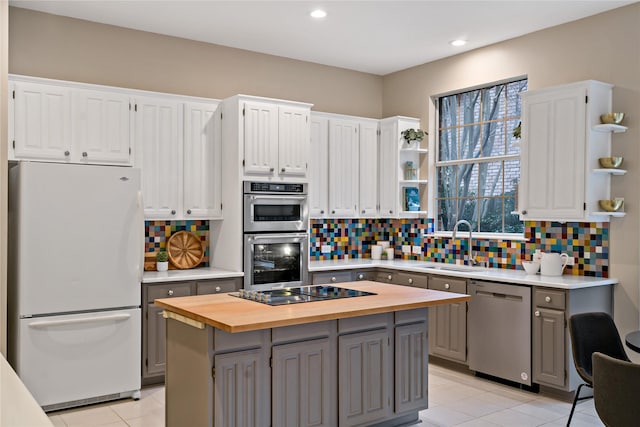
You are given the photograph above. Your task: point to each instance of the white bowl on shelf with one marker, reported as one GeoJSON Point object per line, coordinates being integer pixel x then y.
{"type": "Point", "coordinates": [531, 267]}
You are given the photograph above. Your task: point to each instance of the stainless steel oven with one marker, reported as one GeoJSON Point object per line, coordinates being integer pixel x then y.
{"type": "Point", "coordinates": [272, 206]}
{"type": "Point", "coordinates": [276, 239]}
{"type": "Point", "coordinates": [275, 260]}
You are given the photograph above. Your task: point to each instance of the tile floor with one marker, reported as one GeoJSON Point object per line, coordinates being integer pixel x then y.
{"type": "Point", "coordinates": [455, 399]}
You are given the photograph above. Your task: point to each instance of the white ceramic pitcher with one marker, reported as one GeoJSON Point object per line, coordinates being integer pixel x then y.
{"type": "Point", "coordinates": [553, 264]}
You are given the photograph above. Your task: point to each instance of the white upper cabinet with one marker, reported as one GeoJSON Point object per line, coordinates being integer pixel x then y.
{"type": "Point", "coordinates": [42, 122]}
{"type": "Point", "coordinates": [276, 140]}
{"type": "Point", "coordinates": [388, 171]}
{"type": "Point", "coordinates": [560, 149]}
{"type": "Point", "coordinates": [368, 160]}
{"type": "Point", "coordinates": [101, 130]}
{"type": "Point", "coordinates": [343, 161]}
{"type": "Point", "coordinates": [319, 167]}
{"type": "Point", "coordinates": [293, 141]}
{"type": "Point", "coordinates": [202, 161]}
{"type": "Point", "coordinates": [158, 125]}
{"type": "Point", "coordinates": [53, 122]}
{"type": "Point", "coordinates": [260, 138]}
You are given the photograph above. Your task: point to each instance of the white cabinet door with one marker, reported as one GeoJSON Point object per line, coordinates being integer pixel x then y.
{"type": "Point", "coordinates": [101, 132]}
{"type": "Point", "coordinates": [260, 138]}
{"type": "Point", "coordinates": [553, 155]}
{"type": "Point", "coordinates": [159, 155]}
{"type": "Point", "coordinates": [202, 161]}
{"type": "Point", "coordinates": [388, 172]}
{"type": "Point", "coordinates": [42, 122]}
{"type": "Point", "coordinates": [343, 162]}
{"type": "Point", "coordinates": [293, 141]}
{"type": "Point", "coordinates": [319, 167]}
{"type": "Point", "coordinates": [368, 159]}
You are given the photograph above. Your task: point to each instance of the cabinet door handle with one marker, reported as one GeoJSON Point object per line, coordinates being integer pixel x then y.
{"type": "Point", "coordinates": [390, 211]}
{"type": "Point", "coordinates": [447, 286]}
{"type": "Point", "coordinates": [410, 281]}
{"type": "Point", "coordinates": [333, 212]}
{"type": "Point", "coordinates": [537, 313]}
{"type": "Point", "coordinates": [170, 293]}
{"type": "Point", "coordinates": [271, 169]}
{"type": "Point", "coordinates": [524, 212]}
{"type": "Point", "coordinates": [547, 299]}
{"type": "Point", "coordinates": [188, 211]}
{"type": "Point", "coordinates": [333, 279]}
{"type": "Point", "coordinates": [363, 211]}
{"type": "Point", "coordinates": [173, 211]}
{"type": "Point", "coordinates": [66, 153]}
{"type": "Point", "coordinates": [322, 212]}
{"type": "Point", "coordinates": [84, 154]}
{"type": "Point", "coordinates": [283, 170]}
{"type": "Point", "coordinates": [218, 289]}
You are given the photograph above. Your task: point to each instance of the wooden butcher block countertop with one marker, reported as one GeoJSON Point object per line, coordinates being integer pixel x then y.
{"type": "Point", "coordinates": [232, 314]}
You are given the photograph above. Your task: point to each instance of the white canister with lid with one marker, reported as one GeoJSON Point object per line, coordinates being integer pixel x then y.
{"type": "Point", "coordinates": [390, 253]}
{"type": "Point", "coordinates": [376, 252]}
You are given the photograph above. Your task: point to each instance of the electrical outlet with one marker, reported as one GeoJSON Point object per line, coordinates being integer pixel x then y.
{"type": "Point", "coordinates": [417, 250]}
{"type": "Point", "coordinates": [406, 249]}
{"type": "Point", "coordinates": [571, 261]}
{"type": "Point", "coordinates": [326, 249]}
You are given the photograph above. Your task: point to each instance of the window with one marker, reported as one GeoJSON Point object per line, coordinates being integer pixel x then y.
{"type": "Point", "coordinates": [478, 158]}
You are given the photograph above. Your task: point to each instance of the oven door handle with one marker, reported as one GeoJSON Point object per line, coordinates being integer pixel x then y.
{"type": "Point", "coordinates": [286, 236]}
{"type": "Point", "coordinates": [283, 198]}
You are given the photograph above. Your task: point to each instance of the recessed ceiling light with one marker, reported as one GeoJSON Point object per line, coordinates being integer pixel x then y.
{"type": "Point", "coordinates": [318, 13]}
{"type": "Point", "coordinates": [458, 43]}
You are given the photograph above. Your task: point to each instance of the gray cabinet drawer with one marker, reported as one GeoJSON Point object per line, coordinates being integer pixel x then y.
{"type": "Point", "coordinates": [303, 332]}
{"type": "Point", "coordinates": [217, 286]}
{"type": "Point", "coordinates": [411, 316]}
{"type": "Point", "coordinates": [364, 275]}
{"type": "Point", "coordinates": [364, 323]}
{"type": "Point", "coordinates": [549, 298]}
{"type": "Point", "coordinates": [411, 279]}
{"type": "Point", "coordinates": [331, 277]}
{"type": "Point", "coordinates": [169, 290]}
{"type": "Point", "coordinates": [448, 284]}
{"type": "Point", "coordinates": [386, 277]}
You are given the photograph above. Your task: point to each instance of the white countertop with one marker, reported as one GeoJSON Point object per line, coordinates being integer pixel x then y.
{"type": "Point", "coordinates": [565, 281]}
{"type": "Point", "coordinates": [191, 274]}
{"type": "Point", "coordinates": [18, 408]}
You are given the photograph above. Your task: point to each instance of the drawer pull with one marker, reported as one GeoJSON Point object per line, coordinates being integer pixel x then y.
{"type": "Point", "coordinates": [537, 313]}
{"type": "Point", "coordinates": [218, 288]}
{"type": "Point", "coordinates": [170, 293]}
{"type": "Point", "coordinates": [360, 276]}
{"type": "Point", "coordinates": [547, 299]}
{"type": "Point", "coordinates": [410, 281]}
{"type": "Point", "coordinates": [333, 279]}
{"type": "Point", "coordinates": [389, 277]}
{"type": "Point", "coordinates": [447, 286]}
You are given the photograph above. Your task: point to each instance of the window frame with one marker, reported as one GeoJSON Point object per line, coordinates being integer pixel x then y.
{"type": "Point", "coordinates": [435, 163]}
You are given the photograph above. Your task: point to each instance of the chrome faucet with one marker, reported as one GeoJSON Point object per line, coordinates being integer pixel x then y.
{"type": "Point", "coordinates": [471, 259]}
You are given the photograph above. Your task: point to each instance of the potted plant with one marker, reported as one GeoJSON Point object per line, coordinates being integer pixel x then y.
{"type": "Point", "coordinates": [411, 135]}
{"type": "Point", "coordinates": [162, 261]}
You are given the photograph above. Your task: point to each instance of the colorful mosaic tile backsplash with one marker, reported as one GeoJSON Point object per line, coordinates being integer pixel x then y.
{"type": "Point", "coordinates": [587, 243]}
{"type": "Point", "coordinates": [156, 234]}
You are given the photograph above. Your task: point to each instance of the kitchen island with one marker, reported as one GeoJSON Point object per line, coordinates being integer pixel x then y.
{"type": "Point", "coordinates": [348, 361]}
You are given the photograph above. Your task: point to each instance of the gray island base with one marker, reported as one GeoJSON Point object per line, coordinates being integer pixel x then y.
{"type": "Point", "coordinates": [356, 370]}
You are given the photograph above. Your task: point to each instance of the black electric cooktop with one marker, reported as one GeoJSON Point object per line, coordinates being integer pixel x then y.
{"type": "Point", "coordinates": [297, 295]}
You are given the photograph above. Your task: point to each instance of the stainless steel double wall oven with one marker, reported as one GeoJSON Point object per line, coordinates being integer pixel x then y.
{"type": "Point", "coordinates": [276, 227]}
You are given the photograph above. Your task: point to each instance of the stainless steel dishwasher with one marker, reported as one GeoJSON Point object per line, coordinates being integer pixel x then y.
{"type": "Point", "coordinates": [500, 330]}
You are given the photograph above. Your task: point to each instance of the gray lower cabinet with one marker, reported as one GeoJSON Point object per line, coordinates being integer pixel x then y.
{"type": "Point", "coordinates": [153, 324]}
{"type": "Point", "coordinates": [411, 379]}
{"type": "Point", "coordinates": [448, 323]}
{"type": "Point", "coordinates": [239, 384]}
{"type": "Point", "coordinates": [552, 358]}
{"type": "Point", "coordinates": [416, 280]}
{"type": "Point", "coordinates": [339, 276]}
{"type": "Point", "coordinates": [301, 378]}
{"type": "Point", "coordinates": [364, 378]}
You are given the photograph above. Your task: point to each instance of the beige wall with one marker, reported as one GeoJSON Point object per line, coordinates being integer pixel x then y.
{"type": "Point", "coordinates": [576, 51]}
{"type": "Point", "coordinates": [4, 103]}
{"type": "Point", "coordinates": [63, 48]}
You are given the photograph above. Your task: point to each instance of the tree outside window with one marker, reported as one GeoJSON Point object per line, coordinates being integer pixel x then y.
{"type": "Point", "coordinates": [478, 158]}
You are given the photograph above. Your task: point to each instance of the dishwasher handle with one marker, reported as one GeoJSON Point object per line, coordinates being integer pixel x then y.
{"type": "Point", "coordinates": [498, 295]}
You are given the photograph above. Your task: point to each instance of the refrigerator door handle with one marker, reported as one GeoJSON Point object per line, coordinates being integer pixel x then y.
{"type": "Point", "coordinates": [94, 319]}
{"type": "Point", "coordinates": [142, 237]}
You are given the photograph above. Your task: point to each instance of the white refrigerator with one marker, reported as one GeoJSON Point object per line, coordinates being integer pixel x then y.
{"type": "Point", "coordinates": [76, 248]}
